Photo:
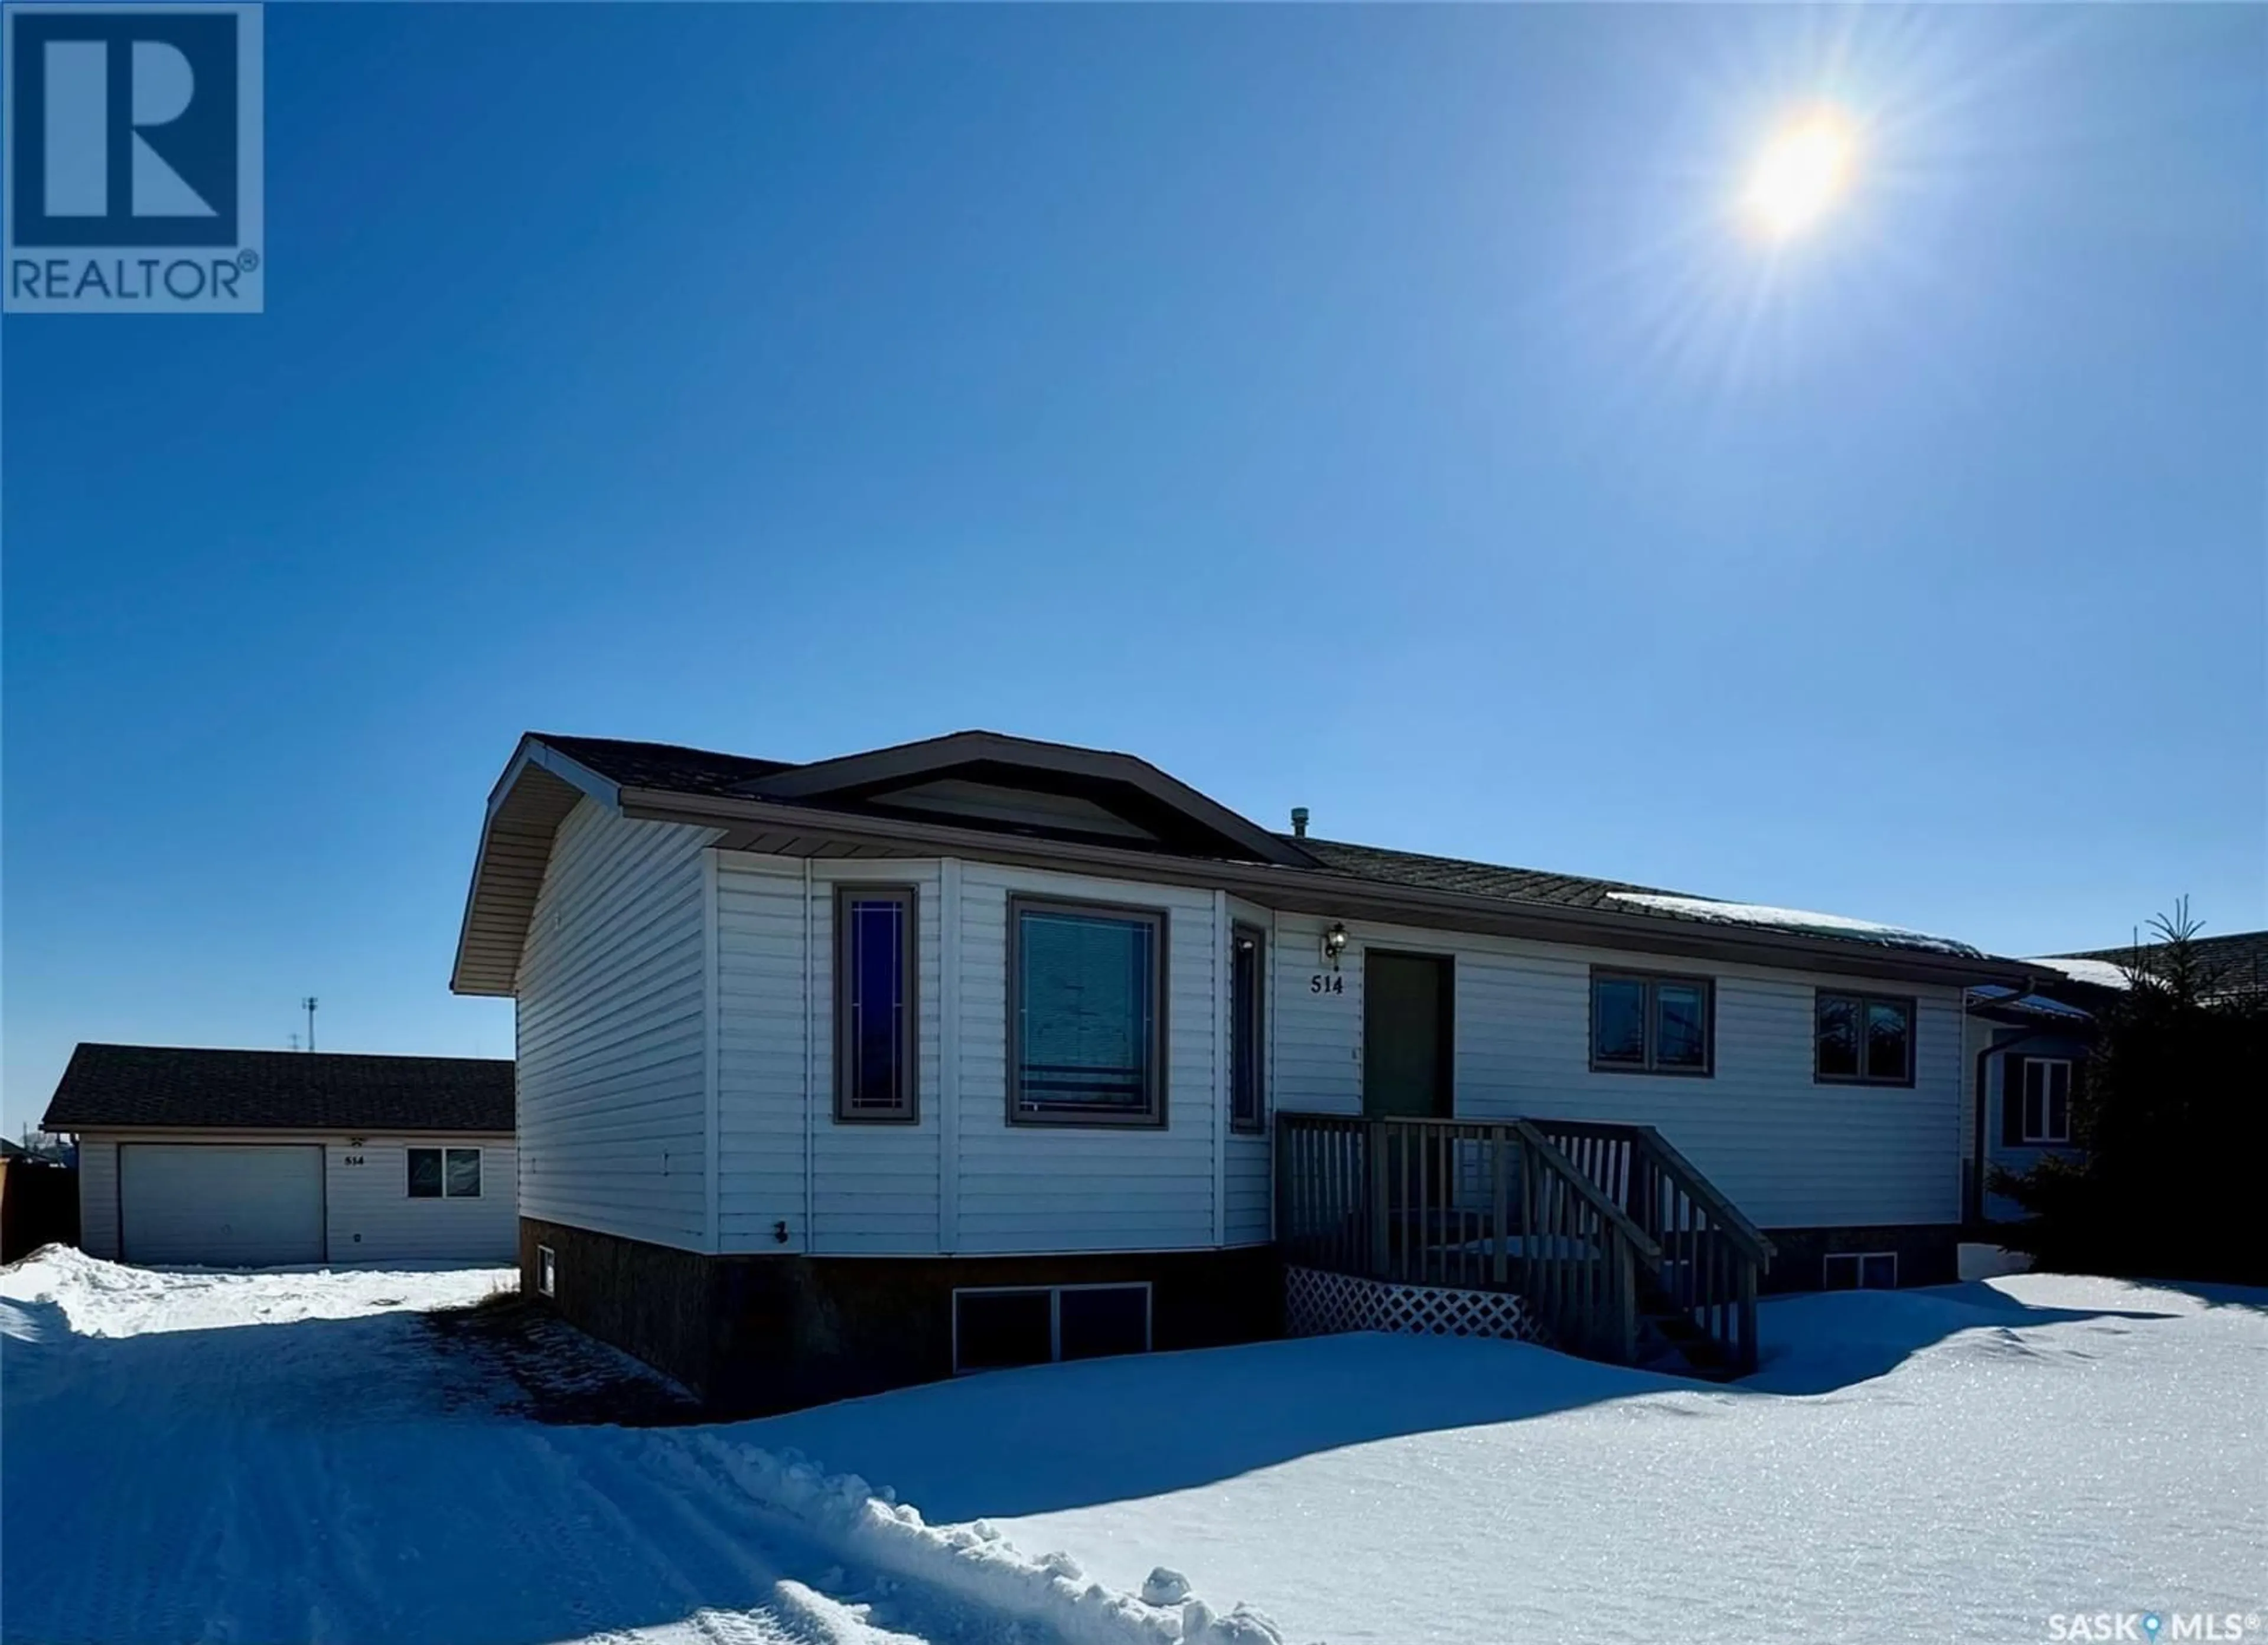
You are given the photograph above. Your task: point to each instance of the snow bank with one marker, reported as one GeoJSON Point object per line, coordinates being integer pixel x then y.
{"type": "Point", "coordinates": [1792, 920]}
{"type": "Point", "coordinates": [112, 1299]}
{"type": "Point", "coordinates": [976, 1562]}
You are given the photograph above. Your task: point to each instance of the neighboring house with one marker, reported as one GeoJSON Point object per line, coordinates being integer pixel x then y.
{"type": "Point", "coordinates": [2028, 1052]}
{"type": "Point", "coordinates": [2025, 1063]}
{"type": "Point", "coordinates": [2235, 964]}
{"type": "Point", "coordinates": [981, 1050]}
{"type": "Point", "coordinates": [259, 1158]}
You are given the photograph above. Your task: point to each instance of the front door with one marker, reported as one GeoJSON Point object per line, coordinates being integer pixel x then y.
{"type": "Point", "coordinates": [1408, 1035]}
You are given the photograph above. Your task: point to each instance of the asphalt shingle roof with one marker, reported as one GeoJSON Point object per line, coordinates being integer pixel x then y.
{"type": "Point", "coordinates": [663, 765]}
{"type": "Point", "coordinates": [108, 1086]}
{"type": "Point", "coordinates": [669, 768]}
{"type": "Point", "coordinates": [2240, 959]}
{"type": "Point", "coordinates": [1477, 879]}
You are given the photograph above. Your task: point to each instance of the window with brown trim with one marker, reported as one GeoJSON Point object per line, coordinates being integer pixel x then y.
{"type": "Point", "coordinates": [1087, 1014]}
{"type": "Point", "coordinates": [1646, 1023]}
{"type": "Point", "coordinates": [876, 1060]}
{"type": "Point", "coordinates": [1863, 1039]}
{"type": "Point", "coordinates": [1248, 1029]}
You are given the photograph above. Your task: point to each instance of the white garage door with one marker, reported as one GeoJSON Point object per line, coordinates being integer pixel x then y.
{"type": "Point", "coordinates": [221, 1205]}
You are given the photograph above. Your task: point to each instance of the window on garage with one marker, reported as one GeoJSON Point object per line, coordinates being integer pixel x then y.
{"type": "Point", "coordinates": [453, 1173]}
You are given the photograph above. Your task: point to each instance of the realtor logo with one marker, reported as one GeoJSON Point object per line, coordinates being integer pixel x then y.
{"type": "Point", "coordinates": [133, 165]}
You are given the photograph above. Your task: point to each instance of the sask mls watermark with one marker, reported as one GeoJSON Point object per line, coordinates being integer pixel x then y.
{"type": "Point", "coordinates": [133, 159]}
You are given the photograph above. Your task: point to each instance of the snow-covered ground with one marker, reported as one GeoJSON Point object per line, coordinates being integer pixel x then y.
{"type": "Point", "coordinates": [293, 1457]}
{"type": "Point", "coordinates": [289, 1456]}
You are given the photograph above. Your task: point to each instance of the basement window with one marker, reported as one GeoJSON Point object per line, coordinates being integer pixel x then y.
{"type": "Point", "coordinates": [436, 1173]}
{"type": "Point", "coordinates": [996, 1328]}
{"type": "Point", "coordinates": [1859, 1271]}
{"type": "Point", "coordinates": [547, 1271]}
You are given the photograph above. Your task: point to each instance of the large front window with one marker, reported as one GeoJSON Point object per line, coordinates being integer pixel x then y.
{"type": "Point", "coordinates": [1086, 1029]}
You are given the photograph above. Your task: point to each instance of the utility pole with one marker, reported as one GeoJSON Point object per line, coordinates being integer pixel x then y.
{"type": "Point", "coordinates": [308, 1006]}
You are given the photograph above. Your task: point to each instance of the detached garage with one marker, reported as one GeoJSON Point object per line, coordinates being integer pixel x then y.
{"type": "Point", "coordinates": [268, 1158]}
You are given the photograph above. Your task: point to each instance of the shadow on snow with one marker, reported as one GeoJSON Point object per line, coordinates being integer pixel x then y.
{"type": "Point", "coordinates": [358, 1464]}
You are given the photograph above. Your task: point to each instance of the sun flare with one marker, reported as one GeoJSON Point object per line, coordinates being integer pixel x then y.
{"type": "Point", "coordinates": [1803, 170]}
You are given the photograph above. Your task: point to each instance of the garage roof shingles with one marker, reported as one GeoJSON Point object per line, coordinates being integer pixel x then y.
{"type": "Point", "coordinates": [118, 1087]}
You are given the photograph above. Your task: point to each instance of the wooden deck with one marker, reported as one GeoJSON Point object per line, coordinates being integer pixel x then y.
{"type": "Point", "coordinates": [1617, 1243]}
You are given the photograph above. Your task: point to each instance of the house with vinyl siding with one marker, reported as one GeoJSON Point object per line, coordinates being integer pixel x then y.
{"type": "Point", "coordinates": [977, 1051]}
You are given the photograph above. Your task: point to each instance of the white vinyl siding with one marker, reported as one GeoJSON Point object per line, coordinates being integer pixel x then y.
{"type": "Point", "coordinates": [97, 1196]}
{"type": "Point", "coordinates": [1789, 1152]}
{"type": "Point", "coordinates": [765, 1051]}
{"type": "Point", "coordinates": [874, 1187]}
{"type": "Point", "coordinates": [627, 994]}
{"type": "Point", "coordinates": [612, 1098]}
{"type": "Point", "coordinates": [881, 1189]}
{"type": "Point", "coordinates": [1036, 1188]}
{"type": "Point", "coordinates": [373, 1219]}
{"type": "Point", "coordinates": [870, 1189]}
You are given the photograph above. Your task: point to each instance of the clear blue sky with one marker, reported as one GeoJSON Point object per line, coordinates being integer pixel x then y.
{"type": "Point", "coordinates": [1367, 408]}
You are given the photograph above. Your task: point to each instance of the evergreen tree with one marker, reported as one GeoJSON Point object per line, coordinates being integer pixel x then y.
{"type": "Point", "coordinates": [2169, 1182]}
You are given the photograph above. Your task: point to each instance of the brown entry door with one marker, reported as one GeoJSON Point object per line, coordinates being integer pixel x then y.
{"type": "Point", "coordinates": [1408, 1034]}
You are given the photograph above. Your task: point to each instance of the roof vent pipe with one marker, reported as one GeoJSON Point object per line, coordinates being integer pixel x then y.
{"type": "Point", "coordinates": [1299, 822]}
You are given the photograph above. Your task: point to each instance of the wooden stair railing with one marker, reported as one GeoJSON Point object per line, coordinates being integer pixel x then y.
{"type": "Point", "coordinates": [1612, 1236]}
{"type": "Point", "coordinates": [1712, 1255]}
{"type": "Point", "coordinates": [1488, 1205]}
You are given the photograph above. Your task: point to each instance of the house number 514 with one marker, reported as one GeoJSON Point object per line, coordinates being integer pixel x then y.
{"type": "Point", "coordinates": [1327, 983]}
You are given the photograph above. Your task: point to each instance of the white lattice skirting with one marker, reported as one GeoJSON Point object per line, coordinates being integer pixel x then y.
{"type": "Point", "coordinates": [1316, 1304]}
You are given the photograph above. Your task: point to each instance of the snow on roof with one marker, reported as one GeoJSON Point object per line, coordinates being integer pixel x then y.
{"type": "Point", "coordinates": [2034, 1005]}
{"type": "Point", "coordinates": [1792, 920]}
{"type": "Point", "coordinates": [2102, 973]}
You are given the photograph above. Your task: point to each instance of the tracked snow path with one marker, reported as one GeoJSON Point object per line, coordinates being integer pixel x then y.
{"type": "Point", "coordinates": [286, 1457]}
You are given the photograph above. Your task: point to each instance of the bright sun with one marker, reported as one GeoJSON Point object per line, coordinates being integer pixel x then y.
{"type": "Point", "coordinates": [1801, 173]}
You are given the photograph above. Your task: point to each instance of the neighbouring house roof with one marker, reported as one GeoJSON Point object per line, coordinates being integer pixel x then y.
{"type": "Point", "coordinates": [1100, 810]}
{"type": "Point", "coordinates": [2238, 962]}
{"type": "Point", "coordinates": [126, 1087]}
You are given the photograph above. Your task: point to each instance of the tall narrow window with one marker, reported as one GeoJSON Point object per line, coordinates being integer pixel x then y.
{"type": "Point", "coordinates": [1085, 1014]}
{"type": "Point", "coordinates": [2046, 1084]}
{"type": "Point", "coordinates": [874, 1014]}
{"type": "Point", "coordinates": [1248, 985]}
{"type": "Point", "coordinates": [1863, 1038]}
{"type": "Point", "coordinates": [1643, 1023]}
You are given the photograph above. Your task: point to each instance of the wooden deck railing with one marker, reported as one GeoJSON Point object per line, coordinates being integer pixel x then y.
{"type": "Point", "coordinates": [1597, 1226]}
